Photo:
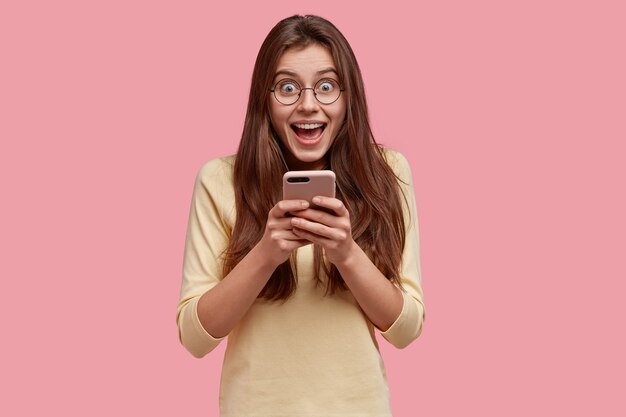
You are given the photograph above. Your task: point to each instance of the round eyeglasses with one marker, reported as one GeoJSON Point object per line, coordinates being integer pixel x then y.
{"type": "Point", "coordinates": [288, 91]}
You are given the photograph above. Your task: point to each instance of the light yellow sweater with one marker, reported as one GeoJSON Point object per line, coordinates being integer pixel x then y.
{"type": "Point", "coordinates": [312, 355]}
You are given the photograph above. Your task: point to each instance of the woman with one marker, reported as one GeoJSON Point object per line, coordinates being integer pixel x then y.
{"type": "Point", "coordinates": [299, 290]}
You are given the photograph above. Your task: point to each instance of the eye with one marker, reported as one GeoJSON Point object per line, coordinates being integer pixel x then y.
{"type": "Point", "coordinates": [327, 86]}
{"type": "Point", "coordinates": [288, 87]}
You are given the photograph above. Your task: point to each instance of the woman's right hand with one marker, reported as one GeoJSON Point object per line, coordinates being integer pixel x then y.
{"type": "Point", "coordinates": [279, 241]}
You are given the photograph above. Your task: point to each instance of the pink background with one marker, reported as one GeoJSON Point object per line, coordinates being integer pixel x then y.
{"type": "Point", "coordinates": [511, 113]}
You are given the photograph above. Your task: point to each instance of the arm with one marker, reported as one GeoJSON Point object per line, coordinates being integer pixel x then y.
{"type": "Point", "coordinates": [399, 315]}
{"type": "Point", "coordinates": [380, 300]}
{"type": "Point", "coordinates": [221, 308]}
{"type": "Point", "coordinates": [211, 305]}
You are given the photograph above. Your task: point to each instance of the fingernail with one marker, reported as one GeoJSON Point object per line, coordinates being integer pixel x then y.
{"type": "Point", "coordinates": [304, 204]}
{"type": "Point", "coordinates": [317, 200]}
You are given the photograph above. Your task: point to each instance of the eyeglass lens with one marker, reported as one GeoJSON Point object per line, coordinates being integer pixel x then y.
{"type": "Point", "coordinates": [288, 91]}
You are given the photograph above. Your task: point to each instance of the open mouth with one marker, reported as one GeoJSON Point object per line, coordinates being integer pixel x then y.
{"type": "Point", "coordinates": [308, 132]}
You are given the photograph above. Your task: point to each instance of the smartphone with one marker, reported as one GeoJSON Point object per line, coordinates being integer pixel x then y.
{"type": "Point", "coordinates": [304, 185]}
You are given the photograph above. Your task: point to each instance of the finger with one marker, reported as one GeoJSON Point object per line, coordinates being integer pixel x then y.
{"type": "Point", "coordinates": [310, 237]}
{"type": "Point", "coordinates": [285, 206]}
{"type": "Point", "coordinates": [291, 245]}
{"type": "Point", "coordinates": [319, 216]}
{"type": "Point", "coordinates": [280, 223]}
{"type": "Point", "coordinates": [285, 235]}
{"type": "Point", "coordinates": [331, 203]}
{"type": "Point", "coordinates": [317, 228]}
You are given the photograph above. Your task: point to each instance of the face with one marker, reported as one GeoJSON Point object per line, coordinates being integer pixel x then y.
{"type": "Point", "coordinates": [307, 128]}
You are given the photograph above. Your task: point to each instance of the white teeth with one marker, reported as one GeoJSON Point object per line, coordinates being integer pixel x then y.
{"type": "Point", "coordinates": [308, 126]}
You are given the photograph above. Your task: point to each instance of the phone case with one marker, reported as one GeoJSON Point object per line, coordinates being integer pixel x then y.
{"type": "Point", "coordinates": [304, 185]}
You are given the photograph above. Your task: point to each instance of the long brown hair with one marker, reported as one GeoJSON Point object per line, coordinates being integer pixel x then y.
{"type": "Point", "coordinates": [365, 182]}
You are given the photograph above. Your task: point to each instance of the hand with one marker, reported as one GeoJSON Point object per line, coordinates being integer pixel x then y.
{"type": "Point", "coordinates": [278, 240]}
{"type": "Point", "coordinates": [332, 230]}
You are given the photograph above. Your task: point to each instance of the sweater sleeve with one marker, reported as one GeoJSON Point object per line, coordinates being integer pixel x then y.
{"type": "Point", "coordinates": [206, 240]}
{"type": "Point", "coordinates": [408, 325]}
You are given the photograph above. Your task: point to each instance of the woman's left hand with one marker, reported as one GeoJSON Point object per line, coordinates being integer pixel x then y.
{"type": "Point", "coordinates": [332, 230]}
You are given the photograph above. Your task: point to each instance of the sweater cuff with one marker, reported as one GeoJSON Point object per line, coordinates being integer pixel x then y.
{"type": "Point", "coordinates": [408, 325]}
{"type": "Point", "coordinates": [193, 336]}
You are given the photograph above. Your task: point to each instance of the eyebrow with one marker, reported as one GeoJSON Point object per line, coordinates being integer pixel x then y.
{"type": "Point", "coordinates": [293, 74]}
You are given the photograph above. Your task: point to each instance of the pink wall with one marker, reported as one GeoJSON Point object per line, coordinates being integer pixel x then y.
{"type": "Point", "coordinates": [513, 117]}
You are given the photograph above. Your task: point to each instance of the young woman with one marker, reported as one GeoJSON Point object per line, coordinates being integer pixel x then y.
{"type": "Point", "coordinates": [298, 289]}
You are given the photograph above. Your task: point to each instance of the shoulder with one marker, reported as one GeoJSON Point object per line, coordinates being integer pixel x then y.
{"type": "Point", "coordinates": [218, 166]}
{"type": "Point", "coordinates": [214, 187]}
{"type": "Point", "coordinates": [215, 178]}
{"type": "Point", "coordinates": [216, 172]}
{"type": "Point", "coordinates": [398, 163]}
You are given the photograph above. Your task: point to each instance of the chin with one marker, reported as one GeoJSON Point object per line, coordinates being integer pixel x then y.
{"type": "Point", "coordinates": [308, 158]}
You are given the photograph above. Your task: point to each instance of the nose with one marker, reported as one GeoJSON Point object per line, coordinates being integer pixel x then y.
{"type": "Point", "coordinates": [307, 102]}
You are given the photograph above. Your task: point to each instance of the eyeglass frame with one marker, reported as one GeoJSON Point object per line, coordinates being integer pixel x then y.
{"type": "Point", "coordinates": [341, 89]}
